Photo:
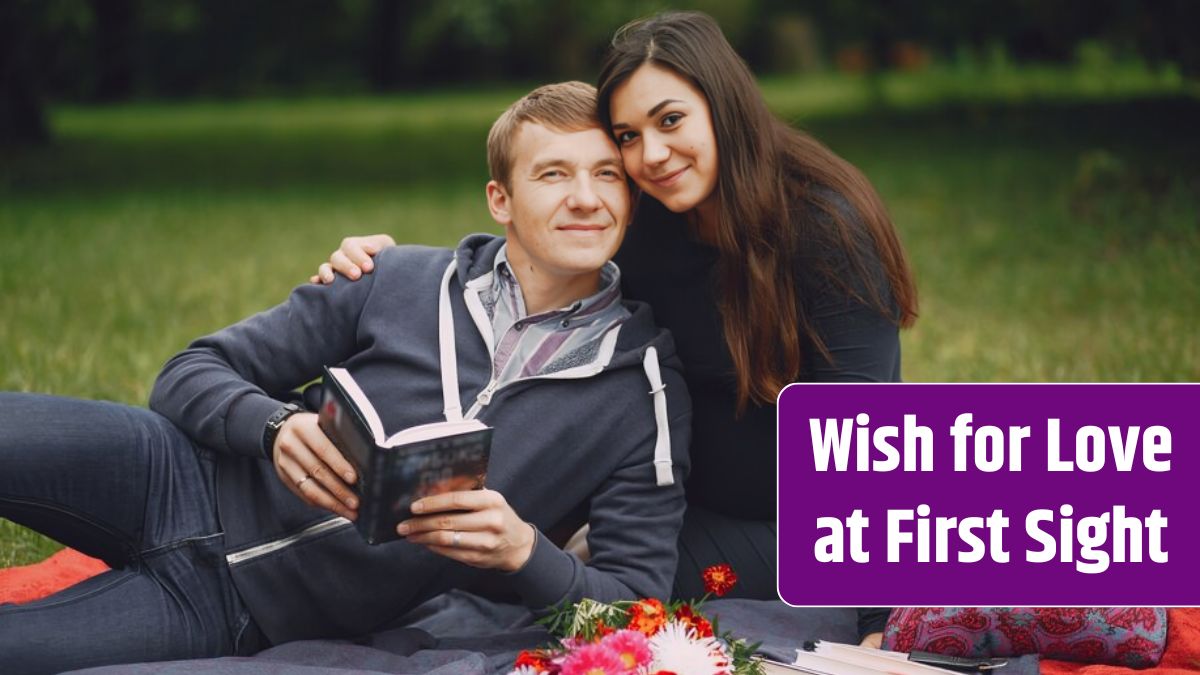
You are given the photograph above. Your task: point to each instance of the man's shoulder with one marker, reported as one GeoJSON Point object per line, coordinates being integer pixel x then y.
{"type": "Point", "coordinates": [413, 261]}
{"type": "Point", "coordinates": [406, 256]}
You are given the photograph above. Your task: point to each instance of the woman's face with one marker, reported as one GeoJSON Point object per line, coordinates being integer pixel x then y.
{"type": "Point", "coordinates": [664, 129]}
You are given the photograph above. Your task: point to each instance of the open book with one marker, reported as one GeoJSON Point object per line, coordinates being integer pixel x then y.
{"type": "Point", "coordinates": [831, 658]}
{"type": "Point", "coordinates": [394, 471]}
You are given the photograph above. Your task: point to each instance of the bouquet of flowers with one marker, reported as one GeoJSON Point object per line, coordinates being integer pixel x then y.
{"type": "Point", "coordinates": [643, 637]}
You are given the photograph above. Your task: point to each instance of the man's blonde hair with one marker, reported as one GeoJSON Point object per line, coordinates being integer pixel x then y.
{"type": "Point", "coordinates": [565, 106]}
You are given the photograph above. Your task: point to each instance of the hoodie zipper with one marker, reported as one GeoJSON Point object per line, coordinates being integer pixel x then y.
{"type": "Point", "coordinates": [485, 397]}
{"type": "Point", "coordinates": [310, 532]}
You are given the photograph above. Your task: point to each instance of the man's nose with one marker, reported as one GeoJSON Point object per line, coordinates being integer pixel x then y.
{"type": "Point", "coordinates": [583, 196]}
{"type": "Point", "coordinates": [654, 151]}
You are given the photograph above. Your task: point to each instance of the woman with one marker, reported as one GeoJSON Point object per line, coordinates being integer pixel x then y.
{"type": "Point", "coordinates": [771, 260]}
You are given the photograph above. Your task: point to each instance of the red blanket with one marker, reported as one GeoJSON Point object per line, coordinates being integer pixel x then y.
{"type": "Point", "coordinates": [1182, 657]}
{"type": "Point", "coordinates": [67, 567]}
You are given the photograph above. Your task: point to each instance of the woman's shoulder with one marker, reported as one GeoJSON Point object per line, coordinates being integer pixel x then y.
{"type": "Point", "coordinates": [835, 258]}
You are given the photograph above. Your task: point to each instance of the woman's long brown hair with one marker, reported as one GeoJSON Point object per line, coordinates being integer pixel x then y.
{"type": "Point", "coordinates": [779, 191]}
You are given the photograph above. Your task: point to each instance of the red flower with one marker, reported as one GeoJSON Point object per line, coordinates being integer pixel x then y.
{"type": "Point", "coordinates": [719, 579]}
{"type": "Point", "coordinates": [647, 616]}
{"type": "Point", "coordinates": [602, 629]}
{"type": "Point", "coordinates": [688, 617]}
{"type": "Point", "coordinates": [537, 659]}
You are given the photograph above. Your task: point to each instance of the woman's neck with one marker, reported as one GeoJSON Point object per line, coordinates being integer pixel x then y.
{"type": "Point", "coordinates": [704, 220]}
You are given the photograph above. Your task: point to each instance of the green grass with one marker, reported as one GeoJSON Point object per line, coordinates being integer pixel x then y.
{"type": "Point", "coordinates": [1052, 217]}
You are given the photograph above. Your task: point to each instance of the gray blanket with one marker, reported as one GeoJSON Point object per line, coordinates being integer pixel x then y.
{"type": "Point", "coordinates": [462, 634]}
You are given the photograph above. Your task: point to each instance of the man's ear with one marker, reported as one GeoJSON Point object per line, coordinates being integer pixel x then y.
{"type": "Point", "coordinates": [499, 203]}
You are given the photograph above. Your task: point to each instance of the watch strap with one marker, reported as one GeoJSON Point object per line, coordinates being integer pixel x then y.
{"type": "Point", "coordinates": [274, 424]}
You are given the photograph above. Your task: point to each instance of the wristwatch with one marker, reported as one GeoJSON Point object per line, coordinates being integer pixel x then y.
{"type": "Point", "coordinates": [275, 423]}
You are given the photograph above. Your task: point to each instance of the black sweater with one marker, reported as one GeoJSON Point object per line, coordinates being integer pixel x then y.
{"type": "Point", "coordinates": [733, 459]}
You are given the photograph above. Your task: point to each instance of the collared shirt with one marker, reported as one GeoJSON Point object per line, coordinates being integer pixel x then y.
{"type": "Point", "coordinates": [544, 343]}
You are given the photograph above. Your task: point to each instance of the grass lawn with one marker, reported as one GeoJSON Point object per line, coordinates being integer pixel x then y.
{"type": "Point", "coordinates": [1053, 219]}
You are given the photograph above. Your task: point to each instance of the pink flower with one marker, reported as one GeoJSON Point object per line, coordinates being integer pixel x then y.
{"type": "Point", "coordinates": [631, 646]}
{"type": "Point", "coordinates": [593, 659]}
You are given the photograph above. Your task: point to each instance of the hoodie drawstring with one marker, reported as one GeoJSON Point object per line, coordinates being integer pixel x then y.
{"type": "Point", "coordinates": [452, 403]}
{"type": "Point", "coordinates": [662, 445]}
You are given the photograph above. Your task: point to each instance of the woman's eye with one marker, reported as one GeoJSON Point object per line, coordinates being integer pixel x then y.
{"type": "Point", "coordinates": [671, 119]}
{"type": "Point", "coordinates": [626, 137]}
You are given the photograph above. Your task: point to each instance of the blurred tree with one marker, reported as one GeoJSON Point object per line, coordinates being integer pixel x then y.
{"type": "Point", "coordinates": [116, 44]}
{"type": "Point", "coordinates": [32, 65]}
{"type": "Point", "coordinates": [109, 50]}
{"type": "Point", "coordinates": [388, 30]}
{"type": "Point", "coordinates": [22, 115]}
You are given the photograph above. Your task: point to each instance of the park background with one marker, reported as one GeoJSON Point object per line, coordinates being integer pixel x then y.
{"type": "Point", "coordinates": [168, 167]}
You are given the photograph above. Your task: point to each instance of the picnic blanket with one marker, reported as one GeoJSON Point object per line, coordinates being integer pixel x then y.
{"type": "Point", "coordinates": [462, 634]}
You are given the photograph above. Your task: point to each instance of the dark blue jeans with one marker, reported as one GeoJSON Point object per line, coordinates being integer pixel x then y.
{"type": "Point", "coordinates": [125, 485]}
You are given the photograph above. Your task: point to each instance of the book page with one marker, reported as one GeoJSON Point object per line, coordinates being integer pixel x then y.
{"type": "Point", "coordinates": [361, 401]}
{"type": "Point", "coordinates": [426, 432]}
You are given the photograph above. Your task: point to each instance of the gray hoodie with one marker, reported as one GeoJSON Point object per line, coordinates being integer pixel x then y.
{"type": "Point", "coordinates": [576, 444]}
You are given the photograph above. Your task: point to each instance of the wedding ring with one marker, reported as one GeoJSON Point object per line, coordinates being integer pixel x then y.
{"type": "Point", "coordinates": [456, 539]}
{"type": "Point", "coordinates": [300, 482]}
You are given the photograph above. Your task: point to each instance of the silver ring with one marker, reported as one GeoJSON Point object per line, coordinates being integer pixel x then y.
{"type": "Point", "coordinates": [456, 539]}
{"type": "Point", "coordinates": [301, 482]}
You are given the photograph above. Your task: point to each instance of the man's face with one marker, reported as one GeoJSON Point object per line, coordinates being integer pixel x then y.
{"type": "Point", "coordinates": [567, 204]}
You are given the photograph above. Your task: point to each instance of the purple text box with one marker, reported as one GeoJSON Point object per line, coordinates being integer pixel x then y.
{"type": "Point", "coordinates": [806, 494]}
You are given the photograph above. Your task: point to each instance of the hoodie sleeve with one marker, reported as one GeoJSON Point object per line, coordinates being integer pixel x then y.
{"type": "Point", "coordinates": [224, 386]}
{"type": "Point", "coordinates": [634, 524]}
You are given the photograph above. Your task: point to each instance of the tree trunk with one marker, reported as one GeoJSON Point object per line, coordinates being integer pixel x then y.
{"type": "Point", "coordinates": [22, 113]}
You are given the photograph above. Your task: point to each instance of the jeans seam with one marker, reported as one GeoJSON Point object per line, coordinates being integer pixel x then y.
{"type": "Point", "coordinates": [177, 544]}
{"type": "Point", "coordinates": [130, 546]}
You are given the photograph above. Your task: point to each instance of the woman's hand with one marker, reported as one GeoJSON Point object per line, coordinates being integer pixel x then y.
{"type": "Point", "coordinates": [872, 640]}
{"type": "Point", "coordinates": [353, 258]}
{"type": "Point", "coordinates": [476, 527]}
{"type": "Point", "coordinates": [312, 467]}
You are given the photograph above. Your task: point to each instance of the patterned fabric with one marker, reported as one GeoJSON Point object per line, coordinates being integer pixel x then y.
{"type": "Point", "coordinates": [1127, 636]}
{"type": "Point", "coordinates": [545, 343]}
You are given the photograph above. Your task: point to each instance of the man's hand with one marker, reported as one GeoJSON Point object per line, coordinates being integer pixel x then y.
{"type": "Point", "coordinates": [476, 527]}
{"type": "Point", "coordinates": [312, 468]}
{"type": "Point", "coordinates": [353, 258]}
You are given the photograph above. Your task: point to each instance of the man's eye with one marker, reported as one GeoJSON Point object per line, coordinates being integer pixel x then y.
{"type": "Point", "coordinates": [553, 174]}
{"type": "Point", "coordinates": [672, 119]}
{"type": "Point", "coordinates": [610, 174]}
{"type": "Point", "coordinates": [626, 137]}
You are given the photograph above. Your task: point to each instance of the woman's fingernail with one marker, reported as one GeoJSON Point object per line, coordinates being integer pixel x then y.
{"type": "Point", "coordinates": [402, 529]}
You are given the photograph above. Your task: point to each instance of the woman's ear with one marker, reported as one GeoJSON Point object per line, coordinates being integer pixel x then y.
{"type": "Point", "coordinates": [499, 203]}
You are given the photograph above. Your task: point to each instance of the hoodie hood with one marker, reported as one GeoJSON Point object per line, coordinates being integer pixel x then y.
{"type": "Point", "coordinates": [638, 343]}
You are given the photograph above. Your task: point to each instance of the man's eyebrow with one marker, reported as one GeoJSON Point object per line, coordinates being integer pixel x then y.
{"type": "Point", "coordinates": [609, 161]}
{"type": "Point", "coordinates": [650, 113]}
{"type": "Point", "coordinates": [546, 164]}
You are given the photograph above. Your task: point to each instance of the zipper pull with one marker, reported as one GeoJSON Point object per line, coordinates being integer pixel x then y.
{"type": "Point", "coordinates": [485, 396]}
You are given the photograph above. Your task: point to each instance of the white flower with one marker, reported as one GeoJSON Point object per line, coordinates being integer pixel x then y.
{"type": "Point", "coordinates": [677, 649]}
{"type": "Point", "coordinates": [523, 670]}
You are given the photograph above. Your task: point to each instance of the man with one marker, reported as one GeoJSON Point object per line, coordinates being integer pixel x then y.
{"type": "Point", "coordinates": [228, 524]}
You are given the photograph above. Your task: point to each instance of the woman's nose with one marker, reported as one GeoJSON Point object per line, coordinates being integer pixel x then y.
{"type": "Point", "coordinates": [654, 151]}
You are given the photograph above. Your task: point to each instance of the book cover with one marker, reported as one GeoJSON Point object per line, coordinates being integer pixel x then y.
{"type": "Point", "coordinates": [394, 471]}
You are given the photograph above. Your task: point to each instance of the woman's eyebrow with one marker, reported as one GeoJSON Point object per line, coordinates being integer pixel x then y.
{"type": "Point", "coordinates": [650, 113]}
{"type": "Point", "coordinates": [662, 104]}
